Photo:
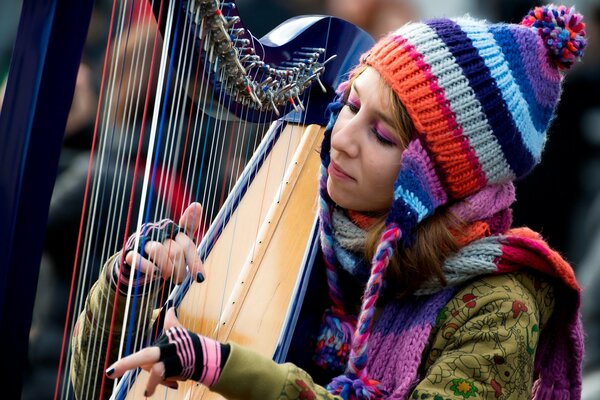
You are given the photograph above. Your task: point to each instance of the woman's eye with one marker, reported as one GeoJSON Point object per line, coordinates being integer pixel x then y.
{"type": "Point", "coordinates": [351, 105]}
{"type": "Point", "coordinates": [382, 139]}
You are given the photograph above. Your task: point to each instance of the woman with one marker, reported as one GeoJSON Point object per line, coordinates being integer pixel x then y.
{"type": "Point", "coordinates": [431, 294]}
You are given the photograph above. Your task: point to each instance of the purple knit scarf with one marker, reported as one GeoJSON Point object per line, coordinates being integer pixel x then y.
{"type": "Point", "coordinates": [399, 339]}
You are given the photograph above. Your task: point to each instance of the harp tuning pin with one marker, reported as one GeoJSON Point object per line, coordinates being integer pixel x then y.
{"type": "Point", "coordinates": [230, 21]}
{"type": "Point", "coordinates": [234, 33]}
{"type": "Point", "coordinates": [266, 82]}
{"type": "Point", "coordinates": [329, 59]}
{"type": "Point", "coordinates": [253, 95]}
{"type": "Point", "coordinates": [285, 88]}
{"type": "Point", "coordinates": [320, 84]}
{"type": "Point", "coordinates": [243, 42]}
{"type": "Point", "coordinates": [252, 65]}
{"type": "Point", "coordinates": [293, 103]}
{"type": "Point", "coordinates": [300, 103]}
{"type": "Point", "coordinates": [274, 106]}
{"type": "Point", "coordinates": [228, 5]}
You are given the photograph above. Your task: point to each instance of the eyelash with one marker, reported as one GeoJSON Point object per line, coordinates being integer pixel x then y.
{"type": "Point", "coordinates": [354, 109]}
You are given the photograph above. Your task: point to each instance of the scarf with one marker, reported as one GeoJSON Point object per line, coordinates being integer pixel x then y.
{"type": "Point", "coordinates": [402, 331]}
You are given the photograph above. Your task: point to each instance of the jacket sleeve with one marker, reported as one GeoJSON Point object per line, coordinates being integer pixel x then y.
{"type": "Point", "coordinates": [251, 376]}
{"type": "Point", "coordinates": [92, 332]}
{"type": "Point", "coordinates": [486, 342]}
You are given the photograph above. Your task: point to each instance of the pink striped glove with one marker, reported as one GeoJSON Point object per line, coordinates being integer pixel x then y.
{"type": "Point", "coordinates": [187, 355]}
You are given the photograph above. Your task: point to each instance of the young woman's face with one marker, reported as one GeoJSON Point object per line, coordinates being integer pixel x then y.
{"type": "Point", "coordinates": [365, 148]}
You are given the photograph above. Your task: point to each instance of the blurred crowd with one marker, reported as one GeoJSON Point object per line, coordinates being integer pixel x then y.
{"type": "Point", "coordinates": [560, 199]}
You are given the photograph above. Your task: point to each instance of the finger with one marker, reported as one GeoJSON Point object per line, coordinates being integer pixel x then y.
{"type": "Point", "coordinates": [148, 355]}
{"type": "Point", "coordinates": [190, 219]}
{"type": "Point", "coordinates": [156, 376]}
{"type": "Point", "coordinates": [176, 253]}
{"type": "Point", "coordinates": [140, 263]}
{"type": "Point", "coordinates": [192, 258]}
{"type": "Point", "coordinates": [171, 319]}
{"type": "Point", "coordinates": [160, 254]}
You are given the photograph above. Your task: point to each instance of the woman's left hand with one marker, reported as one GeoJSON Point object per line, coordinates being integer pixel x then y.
{"type": "Point", "coordinates": [202, 358]}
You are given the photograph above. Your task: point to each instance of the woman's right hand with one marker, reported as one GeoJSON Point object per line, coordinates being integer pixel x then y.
{"type": "Point", "coordinates": [168, 259]}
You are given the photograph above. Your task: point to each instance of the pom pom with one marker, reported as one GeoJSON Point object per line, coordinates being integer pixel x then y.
{"type": "Point", "coordinates": [333, 343]}
{"type": "Point", "coordinates": [356, 389]}
{"type": "Point", "coordinates": [562, 31]}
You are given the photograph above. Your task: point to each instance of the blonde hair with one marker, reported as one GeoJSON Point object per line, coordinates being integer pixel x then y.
{"type": "Point", "coordinates": [434, 241]}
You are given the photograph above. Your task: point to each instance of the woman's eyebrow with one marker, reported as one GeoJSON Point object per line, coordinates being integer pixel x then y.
{"type": "Point", "coordinates": [385, 118]}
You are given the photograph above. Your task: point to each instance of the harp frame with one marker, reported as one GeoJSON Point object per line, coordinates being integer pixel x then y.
{"type": "Point", "coordinates": [39, 91]}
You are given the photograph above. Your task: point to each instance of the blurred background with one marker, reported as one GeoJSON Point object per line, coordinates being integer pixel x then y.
{"type": "Point", "coordinates": [561, 199]}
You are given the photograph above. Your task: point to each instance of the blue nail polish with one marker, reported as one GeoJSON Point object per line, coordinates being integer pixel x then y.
{"type": "Point", "coordinates": [110, 371]}
{"type": "Point", "coordinates": [199, 277]}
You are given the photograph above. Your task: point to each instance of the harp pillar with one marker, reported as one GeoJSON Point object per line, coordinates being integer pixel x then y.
{"type": "Point", "coordinates": [42, 75]}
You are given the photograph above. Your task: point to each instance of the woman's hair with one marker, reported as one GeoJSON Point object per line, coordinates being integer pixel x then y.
{"type": "Point", "coordinates": [434, 241]}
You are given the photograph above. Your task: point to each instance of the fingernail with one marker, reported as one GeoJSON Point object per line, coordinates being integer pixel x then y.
{"type": "Point", "coordinates": [110, 371]}
{"type": "Point", "coordinates": [199, 277]}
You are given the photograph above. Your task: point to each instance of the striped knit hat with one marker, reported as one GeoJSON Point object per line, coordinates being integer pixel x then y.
{"type": "Point", "coordinates": [481, 97]}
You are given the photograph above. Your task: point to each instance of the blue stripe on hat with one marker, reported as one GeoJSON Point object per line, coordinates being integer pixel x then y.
{"type": "Point", "coordinates": [409, 181]}
{"type": "Point", "coordinates": [540, 114]}
{"type": "Point", "coordinates": [460, 45]}
{"type": "Point", "coordinates": [493, 56]}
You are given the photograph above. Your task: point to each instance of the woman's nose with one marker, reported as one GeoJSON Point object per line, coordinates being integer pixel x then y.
{"type": "Point", "coordinates": [344, 137]}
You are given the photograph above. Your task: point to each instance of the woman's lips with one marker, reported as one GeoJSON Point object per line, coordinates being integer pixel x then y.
{"type": "Point", "coordinates": [335, 170]}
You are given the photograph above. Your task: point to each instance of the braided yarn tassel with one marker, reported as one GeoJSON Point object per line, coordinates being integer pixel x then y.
{"type": "Point", "coordinates": [333, 346]}
{"type": "Point", "coordinates": [333, 342]}
{"type": "Point", "coordinates": [355, 384]}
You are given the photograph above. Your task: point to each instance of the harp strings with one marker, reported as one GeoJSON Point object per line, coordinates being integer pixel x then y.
{"type": "Point", "coordinates": [118, 122]}
{"type": "Point", "coordinates": [179, 151]}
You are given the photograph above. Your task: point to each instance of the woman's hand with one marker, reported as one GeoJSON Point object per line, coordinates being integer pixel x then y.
{"type": "Point", "coordinates": [170, 257]}
{"type": "Point", "coordinates": [178, 355]}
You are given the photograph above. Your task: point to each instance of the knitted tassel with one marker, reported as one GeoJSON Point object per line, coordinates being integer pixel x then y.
{"type": "Point", "coordinates": [356, 389]}
{"type": "Point", "coordinates": [333, 343]}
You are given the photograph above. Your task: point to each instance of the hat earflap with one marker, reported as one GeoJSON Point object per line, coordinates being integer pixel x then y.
{"type": "Point", "coordinates": [418, 191]}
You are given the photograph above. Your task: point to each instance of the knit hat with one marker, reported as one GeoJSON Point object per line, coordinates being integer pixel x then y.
{"type": "Point", "coordinates": [481, 97]}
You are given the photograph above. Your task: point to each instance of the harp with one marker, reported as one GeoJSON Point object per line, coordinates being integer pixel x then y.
{"type": "Point", "coordinates": [218, 85]}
